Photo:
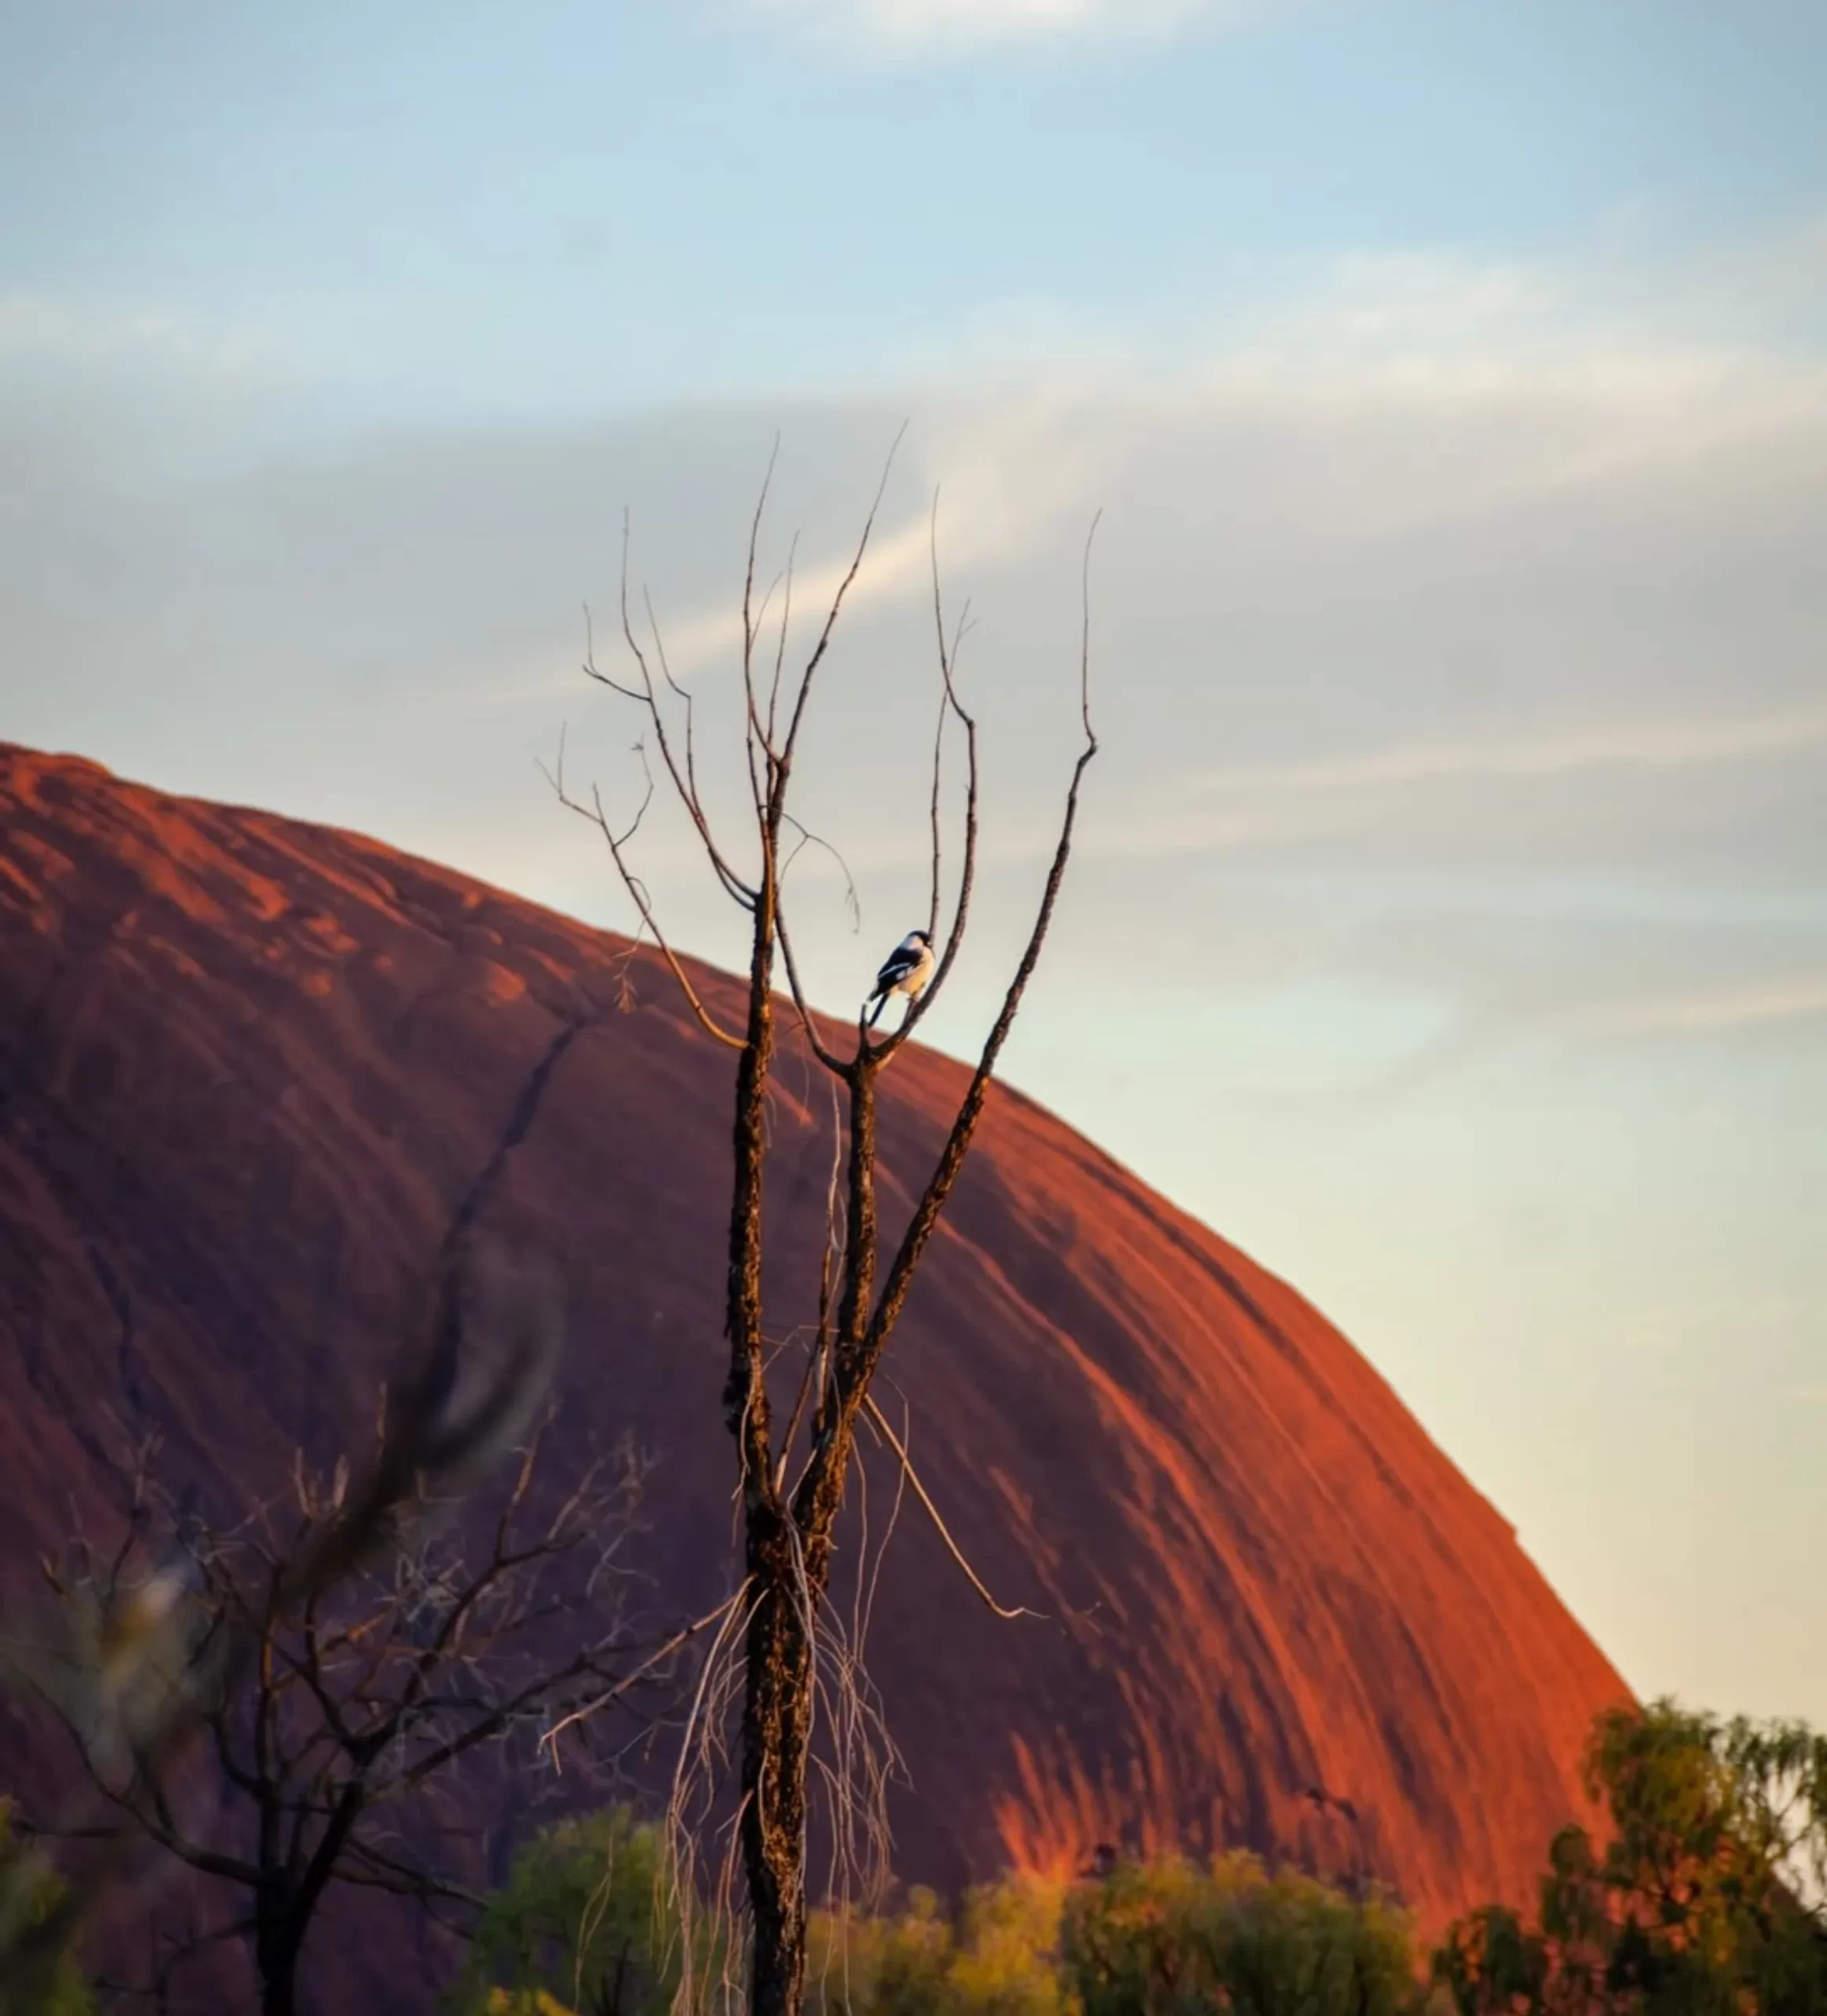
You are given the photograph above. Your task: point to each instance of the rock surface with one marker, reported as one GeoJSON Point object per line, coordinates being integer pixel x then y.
{"type": "Point", "coordinates": [246, 1067]}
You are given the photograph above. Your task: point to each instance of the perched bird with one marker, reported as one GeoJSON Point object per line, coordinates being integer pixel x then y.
{"type": "Point", "coordinates": [906, 971]}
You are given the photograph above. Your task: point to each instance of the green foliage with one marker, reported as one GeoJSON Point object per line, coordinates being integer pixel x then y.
{"type": "Point", "coordinates": [1704, 1900]}
{"type": "Point", "coordinates": [30, 1890]}
{"type": "Point", "coordinates": [1171, 1939]}
{"type": "Point", "coordinates": [1167, 1940]}
{"type": "Point", "coordinates": [1491, 1964]}
{"type": "Point", "coordinates": [1706, 1895]}
{"type": "Point", "coordinates": [588, 1920]}
{"type": "Point", "coordinates": [998, 1956]}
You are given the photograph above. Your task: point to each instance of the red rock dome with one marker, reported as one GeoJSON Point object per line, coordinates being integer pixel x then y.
{"type": "Point", "coordinates": [247, 1065]}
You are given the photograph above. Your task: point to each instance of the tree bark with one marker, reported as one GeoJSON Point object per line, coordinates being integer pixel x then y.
{"type": "Point", "coordinates": [278, 1940]}
{"type": "Point", "coordinates": [743, 1391]}
{"type": "Point", "coordinates": [776, 1729]}
{"type": "Point", "coordinates": [777, 1687]}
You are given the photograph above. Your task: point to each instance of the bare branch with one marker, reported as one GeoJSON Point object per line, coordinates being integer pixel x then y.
{"type": "Point", "coordinates": [852, 902]}
{"type": "Point", "coordinates": [957, 1144]}
{"type": "Point", "coordinates": [785, 763]}
{"type": "Point", "coordinates": [684, 784]}
{"type": "Point", "coordinates": [949, 704]}
{"type": "Point", "coordinates": [682, 1637]}
{"type": "Point", "coordinates": [810, 1724]}
{"type": "Point", "coordinates": [749, 619]}
{"type": "Point", "coordinates": [937, 836]}
{"type": "Point", "coordinates": [343, 1721]}
{"type": "Point", "coordinates": [872, 1409]}
{"type": "Point", "coordinates": [780, 641]}
{"type": "Point", "coordinates": [632, 882]}
{"type": "Point", "coordinates": [808, 1023]}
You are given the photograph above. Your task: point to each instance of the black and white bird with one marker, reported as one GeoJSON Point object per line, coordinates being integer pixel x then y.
{"type": "Point", "coordinates": [906, 971]}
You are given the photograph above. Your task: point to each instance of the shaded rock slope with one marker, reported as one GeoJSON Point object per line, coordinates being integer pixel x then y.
{"type": "Point", "coordinates": [246, 1066]}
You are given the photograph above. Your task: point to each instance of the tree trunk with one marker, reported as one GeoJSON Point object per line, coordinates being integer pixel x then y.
{"type": "Point", "coordinates": [278, 1938]}
{"type": "Point", "coordinates": [777, 1723]}
{"type": "Point", "coordinates": [745, 1395]}
{"type": "Point", "coordinates": [789, 1561]}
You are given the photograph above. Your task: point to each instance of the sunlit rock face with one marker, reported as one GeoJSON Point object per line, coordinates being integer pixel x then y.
{"type": "Point", "coordinates": [248, 1065]}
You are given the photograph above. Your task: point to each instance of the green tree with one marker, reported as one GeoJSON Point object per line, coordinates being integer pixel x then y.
{"type": "Point", "coordinates": [30, 1892]}
{"type": "Point", "coordinates": [1174, 1939]}
{"type": "Point", "coordinates": [588, 1920]}
{"type": "Point", "coordinates": [998, 1955]}
{"type": "Point", "coordinates": [1705, 1899]}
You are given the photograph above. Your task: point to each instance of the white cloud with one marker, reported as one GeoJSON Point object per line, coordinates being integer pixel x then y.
{"type": "Point", "coordinates": [1648, 745]}
{"type": "Point", "coordinates": [1427, 570]}
{"type": "Point", "coordinates": [942, 27]}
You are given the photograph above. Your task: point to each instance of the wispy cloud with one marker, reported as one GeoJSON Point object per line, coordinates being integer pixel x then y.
{"type": "Point", "coordinates": [1640, 746]}
{"type": "Point", "coordinates": [1671, 350]}
{"type": "Point", "coordinates": [926, 28]}
{"type": "Point", "coordinates": [1351, 624]}
{"type": "Point", "coordinates": [36, 325]}
{"type": "Point", "coordinates": [1009, 473]}
{"type": "Point", "coordinates": [895, 564]}
{"type": "Point", "coordinates": [1726, 1008]}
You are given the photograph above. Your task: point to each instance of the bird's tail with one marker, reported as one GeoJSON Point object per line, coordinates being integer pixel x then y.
{"type": "Point", "coordinates": [881, 1001]}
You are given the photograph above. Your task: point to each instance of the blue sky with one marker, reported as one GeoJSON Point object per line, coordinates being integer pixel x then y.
{"type": "Point", "coordinates": [429, 207]}
{"type": "Point", "coordinates": [1453, 379]}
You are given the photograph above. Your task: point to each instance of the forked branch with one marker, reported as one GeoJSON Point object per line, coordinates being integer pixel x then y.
{"type": "Point", "coordinates": [617, 844]}
{"type": "Point", "coordinates": [779, 1647]}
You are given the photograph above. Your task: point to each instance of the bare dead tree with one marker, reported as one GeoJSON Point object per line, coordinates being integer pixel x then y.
{"type": "Point", "coordinates": [351, 1706]}
{"type": "Point", "coordinates": [138, 1671]}
{"type": "Point", "coordinates": [791, 1490]}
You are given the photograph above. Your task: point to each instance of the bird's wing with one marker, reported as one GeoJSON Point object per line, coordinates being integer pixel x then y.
{"type": "Point", "coordinates": [897, 966]}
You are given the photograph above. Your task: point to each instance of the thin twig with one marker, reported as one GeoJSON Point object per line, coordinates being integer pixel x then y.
{"type": "Point", "coordinates": [872, 1409]}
